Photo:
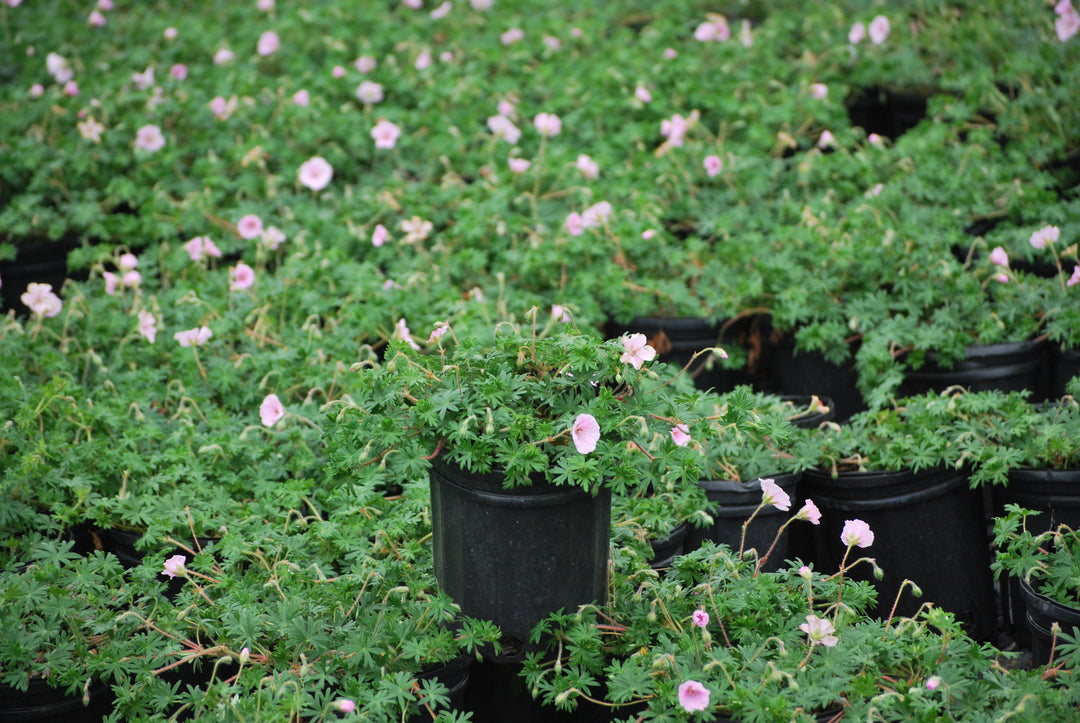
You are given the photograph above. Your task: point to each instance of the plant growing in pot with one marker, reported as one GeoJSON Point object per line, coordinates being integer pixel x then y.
{"type": "Point", "coordinates": [524, 436]}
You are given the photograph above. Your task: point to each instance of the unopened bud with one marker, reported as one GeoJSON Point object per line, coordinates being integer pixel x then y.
{"type": "Point", "coordinates": [706, 636]}
{"type": "Point", "coordinates": [245, 655]}
{"type": "Point", "coordinates": [878, 572]}
{"type": "Point", "coordinates": [916, 590]}
{"type": "Point", "coordinates": [561, 697]}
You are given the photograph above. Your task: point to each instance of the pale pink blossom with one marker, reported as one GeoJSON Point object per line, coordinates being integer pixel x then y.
{"type": "Point", "coordinates": [548, 124]}
{"type": "Point", "coordinates": [857, 533]}
{"type": "Point", "coordinates": [518, 165]}
{"type": "Point", "coordinates": [559, 313]}
{"type": "Point", "coordinates": [268, 43]}
{"type": "Point", "coordinates": [773, 494]}
{"type": "Point", "coordinates": [933, 682]}
{"type": "Point", "coordinates": [552, 42]}
{"type": "Point", "coordinates": [272, 238]}
{"type": "Point", "coordinates": [693, 696]}
{"type": "Point", "coordinates": [59, 68]}
{"type": "Point", "coordinates": [369, 92]}
{"type": "Point", "coordinates": [505, 108]}
{"type": "Point", "coordinates": [878, 30]}
{"type": "Point", "coordinates": [241, 277]}
{"type": "Point", "coordinates": [504, 128]}
{"type": "Point", "coordinates": [144, 79]}
{"type": "Point", "coordinates": [37, 90]}
{"type": "Point", "coordinates": [476, 294]}
{"type": "Point", "coordinates": [588, 167]}
{"type": "Point", "coordinates": [149, 138]}
{"type": "Point", "coordinates": [1067, 25]}
{"type": "Point", "coordinates": [222, 108]}
{"type": "Point", "coordinates": [423, 60]}
{"type": "Point", "coordinates": [413, 4]}
{"type": "Point", "coordinates": [512, 36]}
{"type": "Point", "coordinates": [999, 257]}
{"type": "Point", "coordinates": [857, 33]}
{"type": "Point", "coordinates": [95, 19]}
{"type": "Point", "coordinates": [200, 246]}
{"type": "Point", "coordinates": [806, 573]}
{"type": "Point", "coordinates": [481, 5]}
{"type": "Point", "coordinates": [385, 134]}
{"type": "Point", "coordinates": [174, 566]}
{"type": "Point", "coordinates": [345, 705]}
{"type": "Point", "coordinates": [1045, 235]}
{"type": "Point", "coordinates": [401, 331]}
{"type": "Point", "coordinates": [745, 36]}
{"type": "Point", "coordinates": [302, 98]}
{"type": "Point", "coordinates": [1001, 278]}
{"type": "Point", "coordinates": [41, 300]}
{"type": "Point", "coordinates": [90, 129]}
{"type": "Point", "coordinates": [365, 64]}
{"type": "Point", "coordinates": [642, 94]}
{"type": "Point", "coordinates": [128, 261]}
{"type": "Point", "coordinates": [670, 54]}
{"type": "Point", "coordinates": [637, 351]}
{"type": "Point", "coordinates": [875, 139]}
{"type": "Point", "coordinates": [223, 56]}
{"type": "Point", "coordinates": [390, 284]}
{"type": "Point", "coordinates": [71, 88]}
{"type": "Point", "coordinates": [271, 410]}
{"type": "Point", "coordinates": [441, 327]}
{"type": "Point", "coordinates": [819, 91]}
{"type": "Point", "coordinates": [700, 618]}
{"type": "Point", "coordinates": [876, 190]}
{"type": "Point", "coordinates": [713, 165]}
{"type": "Point", "coordinates": [147, 325]}
{"type": "Point", "coordinates": [1062, 7]}
{"type": "Point", "coordinates": [105, 5]}
{"type": "Point", "coordinates": [648, 234]}
{"type": "Point", "coordinates": [265, 5]}
{"type": "Point", "coordinates": [585, 433]}
{"type": "Point", "coordinates": [245, 652]}
{"type": "Point", "coordinates": [131, 279]}
{"type": "Point", "coordinates": [596, 214]}
{"type": "Point", "coordinates": [249, 226]}
{"type": "Point", "coordinates": [170, 33]}
{"type": "Point", "coordinates": [178, 71]}
{"type": "Point", "coordinates": [680, 434]}
{"type": "Point", "coordinates": [338, 71]}
{"type": "Point", "coordinates": [820, 631]}
{"type": "Point", "coordinates": [809, 512]}
{"type": "Point", "coordinates": [315, 173]}
{"type": "Point", "coordinates": [111, 282]}
{"type": "Point", "coordinates": [416, 229]}
{"type": "Point", "coordinates": [826, 140]}
{"type": "Point", "coordinates": [193, 337]}
{"type": "Point", "coordinates": [574, 224]}
{"type": "Point", "coordinates": [704, 32]}
{"type": "Point", "coordinates": [674, 129]}
{"type": "Point", "coordinates": [442, 11]}
{"type": "Point", "coordinates": [1075, 278]}
{"type": "Point", "coordinates": [379, 236]}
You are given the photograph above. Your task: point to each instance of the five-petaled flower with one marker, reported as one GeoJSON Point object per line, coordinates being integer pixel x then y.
{"type": "Point", "coordinates": [585, 433]}
{"type": "Point", "coordinates": [693, 696]}
{"type": "Point", "coordinates": [271, 410]}
{"type": "Point", "coordinates": [773, 494]}
{"type": "Point", "coordinates": [41, 300]}
{"type": "Point", "coordinates": [315, 173]}
{"type": "Point", "coordinates": [193, 337]}
{"type": "Point", "coordinates": [385, 134]}
{"type": "Point", "coordinates": [680, 434]}
{"type": "Point", "coordinates": [547, 124]}
{"type": "Point", "coordinates": [174, 566]}
{"type": "Point", "coordinates": [713, 165]}
{"type": "Point", "coordinates": [147, 325]}
{"type": "Point", "coordinates": [249, 226]}
{"type": "Point", "coordinates": [637, 351]}
{"type": "Point", "coordinates": [241, 277]}
{"type": "Point", "coordinates": [149, 138]}
{"type": "Point", "coordinates": [857, 533]}
{"type": "Point", "coordinates": [1045, 235]}
{"type": "Point", "coordinates": [819, 631]}
{"type": "Point", "coordinates": [809, 512]}
{"type": "Point", "coordinates": [999, 257]}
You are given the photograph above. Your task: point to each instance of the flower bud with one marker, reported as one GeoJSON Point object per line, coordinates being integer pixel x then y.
{"type": "Point", "coordinates": [878, 572]}
{"type": "Point", "coordinates": [706, 636]}
{"type": "Point", "coordinates": [915, 590]}
{"type": "Point", "coordinates": [561, 697]}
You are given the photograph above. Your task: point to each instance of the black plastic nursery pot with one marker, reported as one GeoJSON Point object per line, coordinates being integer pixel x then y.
{"type": "Point", "coordinates": [37, 262]}
{"type": "Point", "coordinates": [1064, 365]}
{"type": "Point", "coordinates": [1042, 613]}
{"type": "Point", "coordinates": [929, 527]}
{"type": "Point", "coordinates": [41, 703]}
{"type": "Point", "coordinates": [514, 556]}
{"type": "Point", "coordinates": [667, 548]}
{"type": "Point", "coordinates": [811, 420]}
{"type": "Point", "coordinates": [809, 372]}
{"type": "Point", "coordinates": [1056, 494]}
{"type": "Point", "coordinates": [1009, 366]}
{"type": "Point", "coordinates": [736, 502]}
{"type": "Point", "coordinates": [455, 675]}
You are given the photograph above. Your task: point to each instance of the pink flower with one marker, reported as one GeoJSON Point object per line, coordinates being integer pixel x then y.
{"type": "Point", "coordinates": [222, 108]}
{"type": "Point", "coordinates": [806, 573]}
{"type": "Point", "coordinates": [302, 98]}
{"type": "Point", "coordinates": [37, 90]}
{"type": "Point", "coordinates": [819, 631]}
{"type": "Point", "coordinates": [144, 79]}
{"type": "Point", "coordinates": [315, 173]}
{"type": "Point", "coordinates": [401, 331]}
{"type": "Point", "coordinates": [574, 224]}
{"type": "Point", "coordinates": [518, 165]}
{"type": "Point", "coordinates": [441, 327]}
{"type": "Point", "coordinates": [512, 36]}
{"type": "Point", "coordinates": [596, 214]}
{"type": "Point", "coordinates": [201, 245]}
{"type": "Point", "coordinates": [693, 696]}
{"type": "Point", "coordinates": [810, 513]}
{"type": "Point", "coordinates": [642, 94]}
{"type": "Point", "coordinates": [505, 108]}
{"type": "Point", "coordinates": [271, 410]}
{"type": "Point", "coordinates": [648, 234]}
{"type": "Point", "coordinates": [548, 124]}
{"type": "Point", "coordinates": [504, 128]}
{"type": "Point", "coordinates": [365, 64]}
{"type": "Point", "coordinates": [552, 42]}
{"type": "Point", "coordinates": [773, 494]}
{"type": "Point", "coordinates": [588, 167]}
{"type": "Point", "coordinates": [413, 4]}
{"type": "Point", "coordinates": [105, 5]}
{"type": "Point", "coordinates": [878, 30]}
{"type": "Point", "coordinates": [705, 32]}
{"type": "Point", "coordinates": [345, 705]}
{"type": "Point", "coordinates": [481, 5]}
{"type": "Point", "coordinates": [875, 139]}
{"type": "Point", "coordinates": [933, 682]}
{"type": "Point", "coordinates": [674, 129]}
{"type": "Point", "coordinates": [1045, 235]}
{"type": "Point", "coordinates": [241, 277]}
{"type": "Point", "coordinates": [998, 257]}
{"type": "Point", "coordinates": [713, 165]}
{"type": "Point", "coordinates": [826, 140]}
{"type": "Point", "coordinates": [700, 618]}
{"type": "Point", "coordinates": [856, 533]}
{"type": "Point", "coordinates": [71, 88]}
{"type": "Point", "coordinates": [1075, 278]}
{"type": "Point", "coordinates": [670, 54]}
{"type": "Point", "coordinates": [265, 5]}
{"type": "Point", "coordinates": [680, 434]}
{"type": "Point", "coordinates": [385, 134]}
{"type": "Point", "coordinates": [147, 325]}
{"type": "Point", "coordinates": [268, 43]}
{"type": "Point", "coordinates": [1066, 25]}
{"type": "Point", "coordinates": [128, 261]}
{"type": "Point", "coordinates": [338, 71]}
{"type": "Point", "coordinates": [1063, 7]}
{"type": "Point", "coordinates": [41, 300]}
{"type": "Point", "coordinates": [637, 351]}
{"type": "Point", "coordinates": [1001, 278]}
{"type": "Point", "coordinates": [272, 237]}
{"type": "Point", "coordinates": [174, 566]}
{"type": "Point", "coordinates": [96, 19]}
{"type": "Point", "coordinates": [223, 56]}
{"type": "Point", "coordinates": [559, 313]}
{"type": "Point", "coordinates": [876, 190]}
{"type": "Point", "coordinates": [59, 68]}
{"type": "Point", "coordinates": [111, 280]}
{"type": "Point", "coordinates": [379, 236]}
{"type": "Point", "coordinates": [178, 71]}
{"type": "Point", "coordinates": [423, 60]}
{"type": "Point", "coordinates": [170, 33]}
{"type": "Point", "coordinates": [857, 33]}
{"type": "Point", "coordinates": [193, 337]}
{"type": "Point", "coordinates": [369, 92]}
{"type": "Point", "coordinates": [249, 226]}
{"type": "Point", "coordinates": [131, 279]}
{"type": "Point", "coordinates": [819, 91]}
{"type": "Point", "coordinates": [585, 433]}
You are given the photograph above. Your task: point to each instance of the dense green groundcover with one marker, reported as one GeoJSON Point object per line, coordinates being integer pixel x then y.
{"type": "Point", "coordinates": [267, 200]}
